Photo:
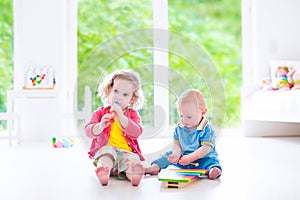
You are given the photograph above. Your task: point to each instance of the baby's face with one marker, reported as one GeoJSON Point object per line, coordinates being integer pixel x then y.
{"type": "Point", "coordinates": [121, 92]}
{"type": "Point", "coordinates": [190, 115]}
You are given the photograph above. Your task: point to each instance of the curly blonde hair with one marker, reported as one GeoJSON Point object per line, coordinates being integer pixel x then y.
{"type": "Point", "coordinates": [132, 76]}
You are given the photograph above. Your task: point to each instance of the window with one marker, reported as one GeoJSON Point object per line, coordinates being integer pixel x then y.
{"type": "Point", "coordinates": [6, 54]}
{"type": "Point", "coordinates": [106, 31]}
{"type": "Point", "coordinates": [107, 42]}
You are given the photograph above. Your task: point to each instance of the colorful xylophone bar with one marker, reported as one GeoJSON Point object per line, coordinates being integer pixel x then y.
{"type": "Point", "coordinates": [177, 178]}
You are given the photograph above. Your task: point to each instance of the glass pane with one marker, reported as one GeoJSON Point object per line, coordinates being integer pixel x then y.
{"type": "Point", "coordinates": [6, 54]}
{"type": "Point", "coordinates": [102, 27]}
{"type": "Point", "coordinates": [216, 26]}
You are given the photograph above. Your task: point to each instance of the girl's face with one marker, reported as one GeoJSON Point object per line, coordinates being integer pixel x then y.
{"type": "Point", "coordinates": [121, 92]}
{"type": "Point", "coordinates": [190, 114]}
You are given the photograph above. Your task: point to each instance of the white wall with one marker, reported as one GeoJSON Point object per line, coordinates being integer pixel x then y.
{"type": "Point", "coordinates": [45, 33]}
{"type": "Point", "coordinates": [271, 30]}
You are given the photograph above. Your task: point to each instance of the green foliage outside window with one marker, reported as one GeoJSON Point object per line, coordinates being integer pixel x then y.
{"type": "Point", "coordinates": [6, 52]}
{"type": "Point", "coordinates": [216, 25]}
{"type": "Point", "coordinates": [99, 21]}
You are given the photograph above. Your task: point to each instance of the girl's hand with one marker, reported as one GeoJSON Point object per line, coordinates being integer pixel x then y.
{"type": "Point", "coordinates": [184, 160]}
{"type": "Point", "coordinates": [116, 109]}
{"type": "Point", "coordinates": [106, 120]}
{"type": "Point", "coordinates": [174, 158]}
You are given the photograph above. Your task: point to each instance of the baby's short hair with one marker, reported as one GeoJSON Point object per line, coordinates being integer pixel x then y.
{"type": "Point", "coordinates": [194, 96]}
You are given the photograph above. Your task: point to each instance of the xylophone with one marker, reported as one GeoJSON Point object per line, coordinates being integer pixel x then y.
{"type": "Point", "coordinates": [178, 178]}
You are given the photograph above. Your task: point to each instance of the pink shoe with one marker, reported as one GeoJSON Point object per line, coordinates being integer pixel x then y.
{"type": "Point", "coordinates": [103, 173]}
{"type": "Point", "coordinates": [214, 173]}
{"type": "Point", "coordinates": [136, 173]}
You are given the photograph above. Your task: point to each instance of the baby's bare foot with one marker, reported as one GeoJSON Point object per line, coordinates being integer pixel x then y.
{"type": "Point", "coordinates": [214, 173]}
{"type": "Point", "coordinates": [103, 173]}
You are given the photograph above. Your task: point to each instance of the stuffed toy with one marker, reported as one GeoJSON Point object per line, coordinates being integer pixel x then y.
{"type": "Point", "coordinates": [284, 78]}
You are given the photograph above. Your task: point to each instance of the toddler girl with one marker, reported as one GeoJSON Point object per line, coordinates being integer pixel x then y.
{"type": "Point", "coordinates": [115, 127]}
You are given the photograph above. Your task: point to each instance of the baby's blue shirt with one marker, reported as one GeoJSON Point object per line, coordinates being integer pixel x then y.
{"type": "Point", "coordinates": [190, 141]}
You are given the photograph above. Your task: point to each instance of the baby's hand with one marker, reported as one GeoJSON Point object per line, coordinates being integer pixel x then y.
{"type": "Point", "coordinates": [184, 160]}
{"type": "Point", "coordinates": [174, 158]}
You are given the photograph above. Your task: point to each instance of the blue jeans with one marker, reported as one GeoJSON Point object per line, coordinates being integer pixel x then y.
{"type": "Point", "coordinates": [204, 163]}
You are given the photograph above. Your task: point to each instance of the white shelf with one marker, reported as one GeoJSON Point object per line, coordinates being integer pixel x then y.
{"type": "Point", "coordinates": [33, 93]}
{"type": "Point", "coordinates": [33, 111]}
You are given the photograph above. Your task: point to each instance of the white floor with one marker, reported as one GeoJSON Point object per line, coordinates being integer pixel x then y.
{"type": "Point", "coordinates": [253, 168]}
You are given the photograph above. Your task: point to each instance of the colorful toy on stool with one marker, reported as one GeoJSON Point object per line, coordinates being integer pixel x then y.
{"type": "Point", "coordinates": [64, 143]}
